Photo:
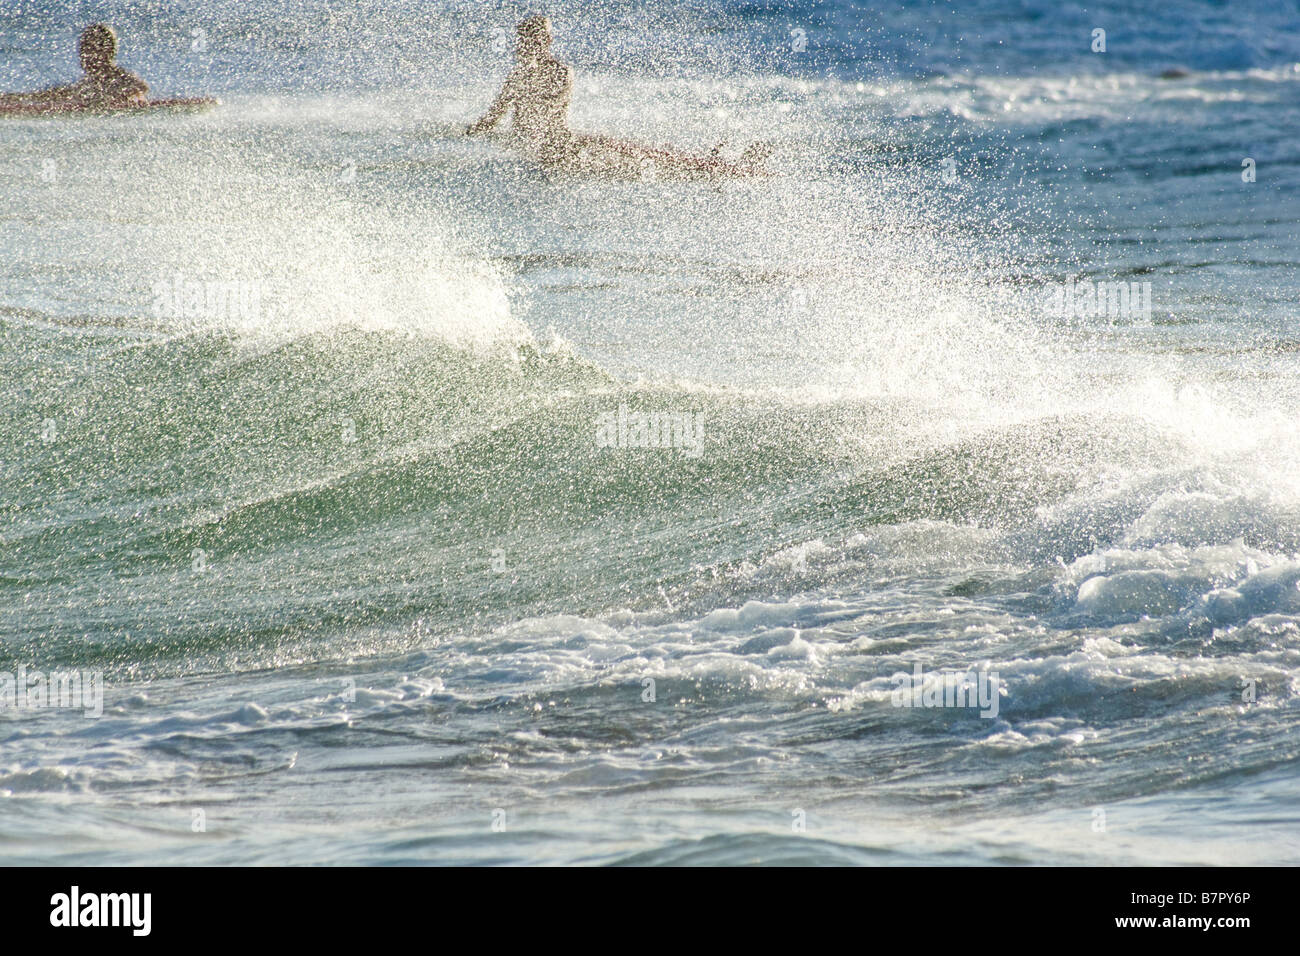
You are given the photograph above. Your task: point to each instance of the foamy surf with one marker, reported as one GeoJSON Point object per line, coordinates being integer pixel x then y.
{"type": "Point", "coordinates": [418, 504]}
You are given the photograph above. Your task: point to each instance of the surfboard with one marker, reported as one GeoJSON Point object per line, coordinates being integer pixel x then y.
{"type": "Point", "coordinates": [196, 104]}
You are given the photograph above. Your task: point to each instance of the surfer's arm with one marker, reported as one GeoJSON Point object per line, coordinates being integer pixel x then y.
{"type": "Point", "coordinates": [497, 110]}
{"type": "Point", "coordinates": [38, 98]}
{"type": "Point", "coordinates": [129, 90]}
{"type": "Point", "coordinates": [138, 92]}
{"type": "Point", "coordinates": [137, 97]}
{"type": "Point", "coordinates": [492, 116]}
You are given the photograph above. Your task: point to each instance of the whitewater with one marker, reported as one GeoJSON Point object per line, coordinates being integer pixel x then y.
{"type": "Point", "coordinates": [409, 503]}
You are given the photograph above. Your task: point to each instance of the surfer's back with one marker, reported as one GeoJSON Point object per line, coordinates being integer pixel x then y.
{"type": "Point", "coordinates": [114, 86]}
{"type": "Point", "coordinates": [540, 93]}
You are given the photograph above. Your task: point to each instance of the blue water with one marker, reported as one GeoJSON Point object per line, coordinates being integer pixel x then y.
{"type": "Point", "coordinates": [365, 585]}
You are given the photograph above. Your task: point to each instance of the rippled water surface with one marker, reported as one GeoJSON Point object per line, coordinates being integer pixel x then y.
{"type": "Point", "coordinates": [366, 582]}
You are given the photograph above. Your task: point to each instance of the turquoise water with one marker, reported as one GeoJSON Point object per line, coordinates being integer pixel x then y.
{"type": "Point", "coordinates": [366, 585]}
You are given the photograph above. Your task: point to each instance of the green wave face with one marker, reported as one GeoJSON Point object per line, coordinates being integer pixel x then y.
{"type": "Point", "coordinates": [178, 504]}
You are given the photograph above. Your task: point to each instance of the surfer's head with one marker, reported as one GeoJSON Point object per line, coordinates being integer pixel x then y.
{"type": "Point", "coordinates": [534, 36]}
{"type": "Point", "coordinates": [98, 48]}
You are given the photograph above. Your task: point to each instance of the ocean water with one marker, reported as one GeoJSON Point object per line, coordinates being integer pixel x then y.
{"type": "Point", "coordinates": [317, 428]}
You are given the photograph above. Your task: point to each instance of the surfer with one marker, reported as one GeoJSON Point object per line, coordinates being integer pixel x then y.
{"type": "Point", "coordinates": [105, 85]}
{"type": "Point", "coordinates": [539, 90]}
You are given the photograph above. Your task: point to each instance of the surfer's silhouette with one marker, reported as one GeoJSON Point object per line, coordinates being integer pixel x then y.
{"type": "Point", "coordinates": [539, 89]}
{"type": "Point", "coordinates": [104, 85]}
